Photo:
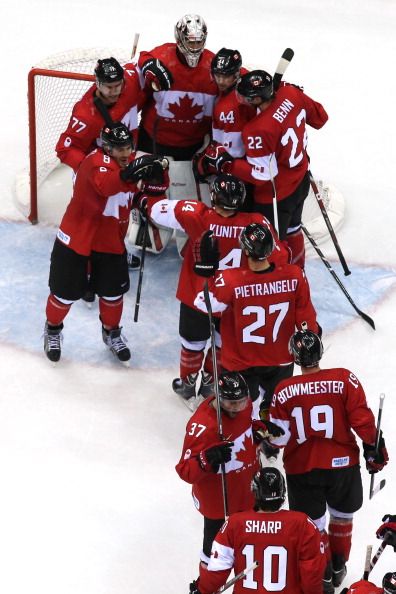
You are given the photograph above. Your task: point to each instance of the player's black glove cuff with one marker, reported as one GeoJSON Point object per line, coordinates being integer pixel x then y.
{"type": "Point", "coordinates": [157, 74]}
{"type": "Point", "coordinates": [206, 255]}
{"type": "Point", "coordinates": [375, 459]}
{"type": "Point", "coordinates": [211, 458]}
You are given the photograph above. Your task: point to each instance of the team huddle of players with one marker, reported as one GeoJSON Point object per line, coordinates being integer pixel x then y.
{"type": "Point", "coordinates": [243, 264]}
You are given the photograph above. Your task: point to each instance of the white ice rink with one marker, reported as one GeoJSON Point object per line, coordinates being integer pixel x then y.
{"type": "Point", "coordinates": [89, 499]}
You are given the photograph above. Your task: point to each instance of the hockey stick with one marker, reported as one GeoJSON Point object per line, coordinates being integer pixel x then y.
{"type": "Point", "coordinates": [283, 63]}
{"type": "Point", "coordinates": [217, 394]}
{"type": "Point", "coordinates": [104, 112]}
{"type": "Point", "coordinates": [365, 317]}
{"type": "Point", "coordinates": [381, 484]}
{"type": "Point", "coordinates": [237, 577]}
{"type": "Point", "coordinates": [135, 44]}
{"type": "Point", "coordinates": [333, 236]}
{"type": "Point", "coordinates": [367, 562]}
{"type": "Point", "coordinates": [377, 555]}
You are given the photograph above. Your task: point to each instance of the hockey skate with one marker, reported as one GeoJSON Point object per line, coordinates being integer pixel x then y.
{"type": "Point", "coordinates": [52, 341]}
{"type": "Point", "coordinates": [116, 343]}
{"type": "Point", "coordinates": [133, 262]}
{"type": "Point", "coordinates": [327, 580]}
{"type": "Point", "coordinates": [186, 390]}
{"type": "Point", "coordinates": [339, 570]}
{"type": "Point", "coordinates": [206, 388]}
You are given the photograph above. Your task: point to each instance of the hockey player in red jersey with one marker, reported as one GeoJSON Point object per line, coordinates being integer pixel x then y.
{"type": "Point", "coordinates": [276, 158]}
{"type": "Point", "coordinates": [286, 545]}
{"type": "Point", "coordinates": [260, 305]}
{"type": "Point", "coordinates": [181, 92]}
{"type": "Point", "coordinates": [205, 452]}
{"type": "Point", "coordinates": [366, 587]}
{"type": "Point", "coordinates": [119, 90]}
{"type": "Point", "coordinates": [318, 411]}
{"type": "Point", "coordinates": [93, 228]}
{"type": "Point", "coordinates": [226, 222]}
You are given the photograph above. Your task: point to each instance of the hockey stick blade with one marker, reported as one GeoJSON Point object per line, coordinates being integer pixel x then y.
{"type": "Point", "coordinates": [378, 488]}
{"type": "Point", "coordinates": [238, 577]}
{"type": "Point", "coordinates": [283, 63]}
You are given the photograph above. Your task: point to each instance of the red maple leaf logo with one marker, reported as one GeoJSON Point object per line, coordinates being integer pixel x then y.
{"type": "Point", "coordinates": [185, 110]}
{"type": "Point", "coordinates": [244, 455]}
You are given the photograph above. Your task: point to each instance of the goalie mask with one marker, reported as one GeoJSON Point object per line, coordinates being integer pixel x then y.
{"type": "Point", "coordinates": [190, 35]}
{"type": "Point", "coordinates": [228, 192]}
{"type": "Point", "coordinates": [257, 241]}
{"type": "Point", "coordinates": [116, 136]}
{"type": "Point", "coordinates": [108, 71]}
{"type": "Point", "coordinates": [306, 348]}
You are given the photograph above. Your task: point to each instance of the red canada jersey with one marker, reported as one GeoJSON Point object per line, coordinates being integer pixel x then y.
{"type": "Point", "coordinates": [275, 144]}
{"type": "Point", "coordinates": [182, 115]}
{"type": "Point", "coordinates": [195, 218]}
{"type": "Point", "coordinates": [202, 433]}
{"type": "Point", "coordinates": [318, 411]}
{"type": "Point", "coordinates": [229, 119]}
{"type": "Point", "coordinates": [286, 545]}
{"type": "Point", "coordinates": [83, 132]}
{"type": "Point", "coordinates": [364, 587]}
{"type": "Point", "coordinates": [97, 216]}
{"type": "Point", "coordinates": [259, 313]}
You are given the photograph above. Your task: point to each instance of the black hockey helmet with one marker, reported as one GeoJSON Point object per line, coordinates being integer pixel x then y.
{"type": "Point", "coordinates": [389, 583]}
{"type": "Point", "coordinates": [306, 348]}
{"type": "Point", "coordinates": [227, 191]}
{"type": "Point", "coordinates": [116, 136]}
{"type": "Point", "coordinates": [226, 62]}
{"type": "Point", "coordinates": [232, 386]}
{"type": "Point", "coordinates": [257, 240]}
{"type": "Point", "coordinates": [256, 83]}
{"type": "Point", "coordinates": [269, 488]}
{"type": "Point", "coordinates": [108, 71]}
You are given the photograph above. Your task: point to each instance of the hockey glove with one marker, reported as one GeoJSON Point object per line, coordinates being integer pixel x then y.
{"type": "Point", "coordinates": [146, 167]}
{"type": "Point", "coordinates": [157, 75]}
{"type": "Point", "coordinates": [213, 160]}
{"type": "Point", "coordinates": [206, 255]}
{"type": "Point", "coordinates": [264, 429]}
{"type": "Point", "coordinates": [388, 529]}
{"type": "Point", "coordinates": [211, 458]}
{"type": "Point", "coordinates": [375, 460]}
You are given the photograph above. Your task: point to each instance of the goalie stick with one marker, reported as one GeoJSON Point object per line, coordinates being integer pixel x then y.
{"type": "Point", "coordinates": [326, 217]}
{"type": "Point", "coordinates": [238, 577]}
{"type": "Point", "coordinates": [365, 317]}
{"type": "Point", "coordinates": [381, 484]}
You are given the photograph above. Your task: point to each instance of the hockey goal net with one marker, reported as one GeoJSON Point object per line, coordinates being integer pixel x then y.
{"type": "Point", "coordinates": [54, 86]}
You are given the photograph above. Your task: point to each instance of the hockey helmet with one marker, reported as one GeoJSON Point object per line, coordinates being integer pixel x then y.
{"type": "Point", "coordinates": [226, 62]}
{"type": "Point", "coordinates": [116, 136]}
{"type": "Point", "coordinates": [256, 83]}
{"type": "Point", "coordinates": [227, 191]}
{"type": "Point", "coordinates": [232, 386]}
{"type": "Point", "coordinates": [269, 488]}
{"type": "Point", "coordinates": [306, 348]}
{"type": "Point", "coordinates": [389, 583]}
{"type": "Point", "coordinates": [108, 71]}
{"type": "Point", "coordinates": [190, 35]}
{"type": "Point", "coordinates": [257, 241]}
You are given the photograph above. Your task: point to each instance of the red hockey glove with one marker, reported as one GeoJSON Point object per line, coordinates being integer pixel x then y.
{"type": "Point", "coordinates": [375, 460]}
{"type": "Point", "coordinates": [206, 254]}
{"type": "Point", "coordinates": [388, 528]}
{"type": "Point", "coordinates": [213, 160]}
{"type": "Point", "coordinates": [211, 458]}
{"type": "Point", "coordinates": [157, 75]}
{"type": "Point", "coordinates": [264, 429]}
{"type": "Point", "coordinates": [146, 168]}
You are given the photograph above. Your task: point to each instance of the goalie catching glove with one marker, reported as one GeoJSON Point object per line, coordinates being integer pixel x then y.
{"type": "Point", "coordinates": [206, 255]}
{"type": "Point", "coordinates": [157, 75]}
{"type": "Point", "coordinates": [146, 168]}
{"type": "Point", "coordinates": [375, 460]}
{"type": "Point", "coordinates": [213, 160]}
